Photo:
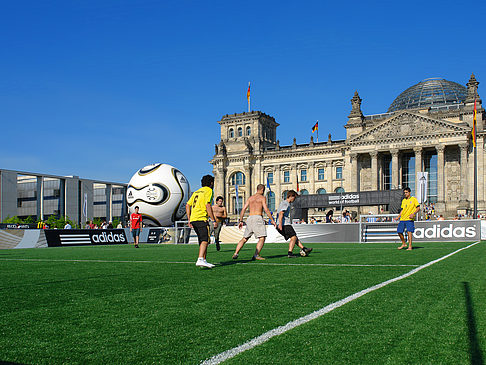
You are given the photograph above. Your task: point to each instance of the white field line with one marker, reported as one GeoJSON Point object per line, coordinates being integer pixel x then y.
{"type": "Point", "coordinates": [193, 262]}
{"type": "Point", "coordinates": [228, 354]}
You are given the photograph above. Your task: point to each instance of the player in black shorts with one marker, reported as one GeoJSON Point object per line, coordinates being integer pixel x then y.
{"type": "Point", "coordinates": [285, 228]}
{"type": "Point", "coordinates": [198, 209]}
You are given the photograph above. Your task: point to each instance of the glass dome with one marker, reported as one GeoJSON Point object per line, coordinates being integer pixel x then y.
{"type": "Point", "coordinates": [429, 92]}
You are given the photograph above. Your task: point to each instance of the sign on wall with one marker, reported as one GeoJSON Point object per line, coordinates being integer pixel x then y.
{"type": "Point", "coordinates": [79, 237]}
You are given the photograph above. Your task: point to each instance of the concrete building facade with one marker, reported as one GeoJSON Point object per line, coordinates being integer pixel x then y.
{"type": "Point", "coordinates": [426, 129]}
{"type": "Point", "coordinates": [25, 194]}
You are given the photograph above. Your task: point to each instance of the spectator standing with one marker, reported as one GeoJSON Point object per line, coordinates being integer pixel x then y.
{"type": "Point", "coordinates": [136, 226]}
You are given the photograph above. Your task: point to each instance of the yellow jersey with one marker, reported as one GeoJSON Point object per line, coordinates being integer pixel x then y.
{"type": "Point", "coordinates": [198, 202]}
{"type": "Point", "coordinates": [408, 207]}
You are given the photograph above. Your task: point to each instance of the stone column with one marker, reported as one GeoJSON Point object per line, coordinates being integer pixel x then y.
{"type": "Point", "coordinates": [481, 171]}
{"type": "Point", "coordinates": [464, 178]}
{"type": "Point", "coordinates": [440, 174]}
{"type": "Point", "coordinates": [312, 177]}
{"type": "Point", "coordinates": [354, 171]}
{"type": "Point", "coordinates": [278, 184]}
{"type": "Point", "coordinates": [294, 176]}
{"type": "Point", "coordinates": [418, 165]}
{"type": "Point", "coordinates": [395, 170]}
{"type": "Point", "coordinates": [374, 170]}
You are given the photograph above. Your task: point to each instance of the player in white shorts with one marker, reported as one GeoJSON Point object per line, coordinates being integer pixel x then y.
{"type": "Point", "coordinates": [255, 225]}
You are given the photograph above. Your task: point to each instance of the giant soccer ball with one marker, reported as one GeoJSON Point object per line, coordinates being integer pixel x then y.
{"type": "Point", "coordinates": [161, 192]}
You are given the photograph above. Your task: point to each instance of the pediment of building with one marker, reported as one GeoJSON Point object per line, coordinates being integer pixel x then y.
{"type": "Point", "coordinates": [405, 125]}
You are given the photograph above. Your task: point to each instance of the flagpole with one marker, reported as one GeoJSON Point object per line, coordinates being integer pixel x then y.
{"type": "Point", "coordinates": [317, 139]}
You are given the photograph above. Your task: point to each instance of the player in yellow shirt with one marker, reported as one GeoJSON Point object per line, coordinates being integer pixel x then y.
{"type": "Point", "coordinates": [198, 209]}
{"type": "Point", "coordinates": [410, 207]}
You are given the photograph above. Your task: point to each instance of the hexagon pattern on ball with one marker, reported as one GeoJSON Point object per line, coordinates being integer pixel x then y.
{"type": "Point", "coordinates": [161, 192]}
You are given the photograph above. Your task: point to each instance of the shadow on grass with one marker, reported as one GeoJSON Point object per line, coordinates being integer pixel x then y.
{"type": "Point", "coordinates": [233, 262]}
{"type": "Point", "coordinates": [474, 346]}
{"type": "Point", "coordinates": [10, 363]}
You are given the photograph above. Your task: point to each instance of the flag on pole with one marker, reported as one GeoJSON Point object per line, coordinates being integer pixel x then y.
{"type": "Point", "coordinates": [474, 125]}
{"type": "Point", "coordinates": [248, 97]}
{"type": "Point", "coordinates": [268, 185]}
{"type": "Point", "coordinates": [315, 128]}
{"type": "Point", "coordinates": [297, 185]}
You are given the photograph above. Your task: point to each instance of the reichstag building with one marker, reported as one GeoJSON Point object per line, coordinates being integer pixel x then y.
{"type": "Point", "coordinates": [426, 128]}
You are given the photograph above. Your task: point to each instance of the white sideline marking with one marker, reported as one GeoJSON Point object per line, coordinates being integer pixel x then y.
{"type": "Point", "coordinates": [192, 262]}
{"type": "Point", "coordinates": [102, 261]}
{"type": "Point", "coordinates": [228, 354]}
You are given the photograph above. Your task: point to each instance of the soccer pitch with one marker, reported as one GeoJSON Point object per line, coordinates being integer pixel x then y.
{"type": "Point", "coordinates": [121, 305]}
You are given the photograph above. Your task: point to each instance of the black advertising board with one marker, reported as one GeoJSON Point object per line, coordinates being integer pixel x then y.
{"type": "Point", "coordinates": [80, 237]}
{"type": "Point", "coordinates": [18, 226]}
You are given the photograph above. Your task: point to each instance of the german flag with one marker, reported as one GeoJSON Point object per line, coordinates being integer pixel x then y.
{"type": "Point", "coordinates": [474, 126]}
{"type": "Point", "coordinates": [248, 93]}
{"type": "Point", "coordinates": [315, 127]}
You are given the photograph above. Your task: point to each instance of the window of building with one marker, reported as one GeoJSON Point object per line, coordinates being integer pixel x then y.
{"type": "Point", "coordinates": [408, 171]}
{"type": "Point", "coordinates": [284, 194]}
{"type": "Point", "coordinates": [286, 176]}
{"type": "Point", "coordinates": [430, 166]}
{"type": "Point", "coordinates": [248, 131]}
{"type": "Point", "coordinates": [240, 131]}
{"type": "Point", "coordinates": [231, 133]}
{"type": "Point", "coordinates": [339, 172]}
{"type": "Point", "coordinates": [270, 177]}
{"type": "Point", "coordinates": [339, 190]}
{"type": "Point", "coordinates": [304, 192]}
{"type": "Point", "coordinates": [303, 175]}
{"type": "Point", "coordinates": [387, 172]}
{"type": "Point", "coordinates": [320, 174]}
{"type": "Point", "coordinates": [321, 191]}
{"type": "Point", "coordinates": [271, 200]}
{"type": "Point", "coordinates": [238, 179]}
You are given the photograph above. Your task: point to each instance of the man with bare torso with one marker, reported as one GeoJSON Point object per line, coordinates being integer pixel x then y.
{"type": "Point", "coordinates": [255, 225]}
{"type": "Point", "coordinates": [220, 214]}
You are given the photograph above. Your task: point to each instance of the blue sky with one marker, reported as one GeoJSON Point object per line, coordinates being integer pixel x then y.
{"type": "Point", "coordinates": [101, 88]}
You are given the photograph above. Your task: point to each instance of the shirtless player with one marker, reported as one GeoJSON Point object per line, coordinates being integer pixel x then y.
{"type": "Point", "coordinates": [220, 214]}
{"type": "Point", "coordinates": [255, 223]}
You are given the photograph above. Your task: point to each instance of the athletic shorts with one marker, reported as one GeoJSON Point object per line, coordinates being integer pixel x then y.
{"type": "Point", "coordinates": [287, 231]}
{"type": "Point", "coordinates": [255, 225]}
{"type": "Point", "coordinates": [135, 232]}
{"type": "Point", "coordinates": [409, 225]}
{"type": "Point", "coordinates": [202, 230]}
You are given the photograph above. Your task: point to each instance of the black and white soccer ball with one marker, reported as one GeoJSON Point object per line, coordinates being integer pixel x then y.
{"type": "Point", "coordinates": [161, 192]}
{"type": "Point", "coordinates": [303, 253]}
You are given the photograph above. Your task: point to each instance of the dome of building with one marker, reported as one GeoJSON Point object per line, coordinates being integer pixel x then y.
{"type": "Point", "coordinates": [429, 93]}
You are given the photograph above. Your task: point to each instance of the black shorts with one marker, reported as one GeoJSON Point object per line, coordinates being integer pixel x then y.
{"type": "Point", "coordinates": [202, 230]}
{"type": "Point", "coordinates": [287, 231]}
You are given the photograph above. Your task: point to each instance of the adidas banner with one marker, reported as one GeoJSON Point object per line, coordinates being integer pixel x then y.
{"type": "Point", "coordinates": [79, 237]}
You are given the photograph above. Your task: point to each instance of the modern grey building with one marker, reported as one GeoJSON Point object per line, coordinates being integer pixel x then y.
{"type": "Point", "coordinates": [25, 194]}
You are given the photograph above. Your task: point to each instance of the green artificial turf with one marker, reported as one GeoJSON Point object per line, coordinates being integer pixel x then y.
{"type": "Point", "coordinates": [118, 304]}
